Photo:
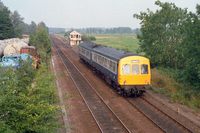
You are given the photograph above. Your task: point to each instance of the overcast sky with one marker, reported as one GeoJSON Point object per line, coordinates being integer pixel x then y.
{"type": "Point", "coordinates": [88, 13]}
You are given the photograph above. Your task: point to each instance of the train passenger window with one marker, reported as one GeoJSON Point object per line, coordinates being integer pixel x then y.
{"type": "Point", "coordinates": [144, 69]}
{"type": "Point", "coordinates": [98, 58]}
{"type": "Point", "coordinates": [88, 54]}
{"type": "Point", "coordinates": [114, 67]}
{"type": "Point", "coordinates": [110, 65]}
{"type": "Point", "coordinates": [135, 69]}
{"type": "Point", "coordinates": [106, 62]}
{"type": "Point", "coordinates": [126, 69]}
{"type": "Point", "coordinates": [95, 57]}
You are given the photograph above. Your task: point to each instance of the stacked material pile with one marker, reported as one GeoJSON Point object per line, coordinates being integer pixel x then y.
{"type": "Point", "coordinates": [12, 46]}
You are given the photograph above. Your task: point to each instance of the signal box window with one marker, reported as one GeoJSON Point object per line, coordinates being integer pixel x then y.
{"type": "Point", "coordinates": [144, 69]}
{"type": "Point", "coordinates": [135, 69]}
{"type": "Point", "coordinates": [126, 69]}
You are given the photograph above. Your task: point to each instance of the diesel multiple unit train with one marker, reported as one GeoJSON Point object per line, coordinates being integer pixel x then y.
{"type": "Point", "coordinates": [127, 72]}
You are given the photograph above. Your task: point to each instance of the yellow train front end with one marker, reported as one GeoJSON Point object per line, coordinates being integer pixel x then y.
{"type": "Point", "coordinates": [134, 75]}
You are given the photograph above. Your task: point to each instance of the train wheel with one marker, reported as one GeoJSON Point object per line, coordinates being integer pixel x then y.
{"type": "Point", "coordinates": [136, 94]}
{"type": "Point", "coordinates": [125, 94]}
{"type": "Point", "coordinates": [128, 94]}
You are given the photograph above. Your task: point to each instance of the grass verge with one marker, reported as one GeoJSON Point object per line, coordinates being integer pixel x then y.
{"type": "Point", "coordinates": [163, 82]}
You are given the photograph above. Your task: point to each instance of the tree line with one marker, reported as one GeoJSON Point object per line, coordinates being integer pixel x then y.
{"type": "Point", "coordinates": [13, 26]}
{"type": "Point", "coordinates": [116, 30]}
{"type": "Point", "coordinates": [171, 38]}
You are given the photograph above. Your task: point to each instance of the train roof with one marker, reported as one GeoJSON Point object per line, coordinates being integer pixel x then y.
{"type": "Point", "coordinates": [88, 45]}
{"type": "Point", "coordinates": [113, 53]}
{"type": "Point", "coordinates": [107, 51]}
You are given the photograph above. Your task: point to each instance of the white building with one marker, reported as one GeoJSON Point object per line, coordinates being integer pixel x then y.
{"type": "Point", "coordinates": [74, 38]}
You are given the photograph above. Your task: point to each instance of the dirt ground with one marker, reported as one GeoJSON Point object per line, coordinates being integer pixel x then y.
{"type": "Point", "coordinates": [75, 113]}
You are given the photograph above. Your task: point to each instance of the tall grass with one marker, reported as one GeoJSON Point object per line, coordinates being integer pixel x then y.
{"type": "Point", "coordinates": [163, 82]}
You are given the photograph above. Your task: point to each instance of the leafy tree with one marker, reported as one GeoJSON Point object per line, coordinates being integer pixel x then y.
{"type": "Point", "coordinates": [162, 34]}
{"type": "Point", "coordinates": [198, 10]}
{"type": "Point", "coordinates": [44, 26]}
{"type": "Point", "coordinates": [170, 38]}
{"type": "Point", "coordinates": [33, 27]}
{"type": "Point", "coordinates": [6, 27]}
{"type": "Point", "coordinates": [1, 5]}
{"type": "Point", "coordinates": [16, 19]}
{"type": "Point", "coordinates": [191, 45]}
{"type": "Point", "coordinates": [18, 23]}
{"type": "Point", "coordinates": [42, 42]}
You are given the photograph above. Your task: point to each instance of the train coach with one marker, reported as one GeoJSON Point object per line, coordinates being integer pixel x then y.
{"type": "Point", "coordinates": [127, 72]}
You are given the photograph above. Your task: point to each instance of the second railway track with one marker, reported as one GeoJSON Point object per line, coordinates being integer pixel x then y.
{"type": "Point", "coordinates": [164, 121]}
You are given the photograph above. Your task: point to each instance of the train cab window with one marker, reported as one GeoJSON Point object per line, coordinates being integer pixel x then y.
{"type": "Point", "coordinates": [144, 69]}
{"type": "Point", "coordinates": [126, 69]}
{"type": "Point", "coordinates": [135, 69]}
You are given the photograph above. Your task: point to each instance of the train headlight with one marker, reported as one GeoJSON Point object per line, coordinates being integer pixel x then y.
{"type": "Point", "coordinates": [146, 81]}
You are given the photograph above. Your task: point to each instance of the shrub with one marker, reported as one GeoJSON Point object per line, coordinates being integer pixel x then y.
{"type": "Point", "coordinates": [27, 101]}
{"type": "Point", "coordinates": [163, 81]}
{"type": "Point", "coordinates": [88, 38]}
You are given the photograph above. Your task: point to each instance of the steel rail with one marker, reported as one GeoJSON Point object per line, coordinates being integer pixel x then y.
{"type": "Point", "coordinates": [98, 95]}
{"type": "Point", "coordinates": [80, 93]}
{"type": "Point", "coordinates": [72, 50]}
{"type": "Point", "coordinates": [147, 116]}
{"type": "Point", "coordinates": [176, 121]}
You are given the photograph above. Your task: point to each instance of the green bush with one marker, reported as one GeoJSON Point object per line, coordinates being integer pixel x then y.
{"type": "Point", "coordinates": [27, 100]}
{"type": "Point", "coordinates": [164, 81]}
{"type": "Point", "coordinates": [88, 38]}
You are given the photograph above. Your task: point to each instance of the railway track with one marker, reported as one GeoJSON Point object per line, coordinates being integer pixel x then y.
{"type": "Point", "coordinates": [106, 119]}
{"type": "Point", "coordinates": [164, 126]}
{"type": "Point", "coordinates": [162, 120]}
{"type": "Point", "coordinates": [74, 52]}
{"type": "Point", "coordinates": [171, 113]}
